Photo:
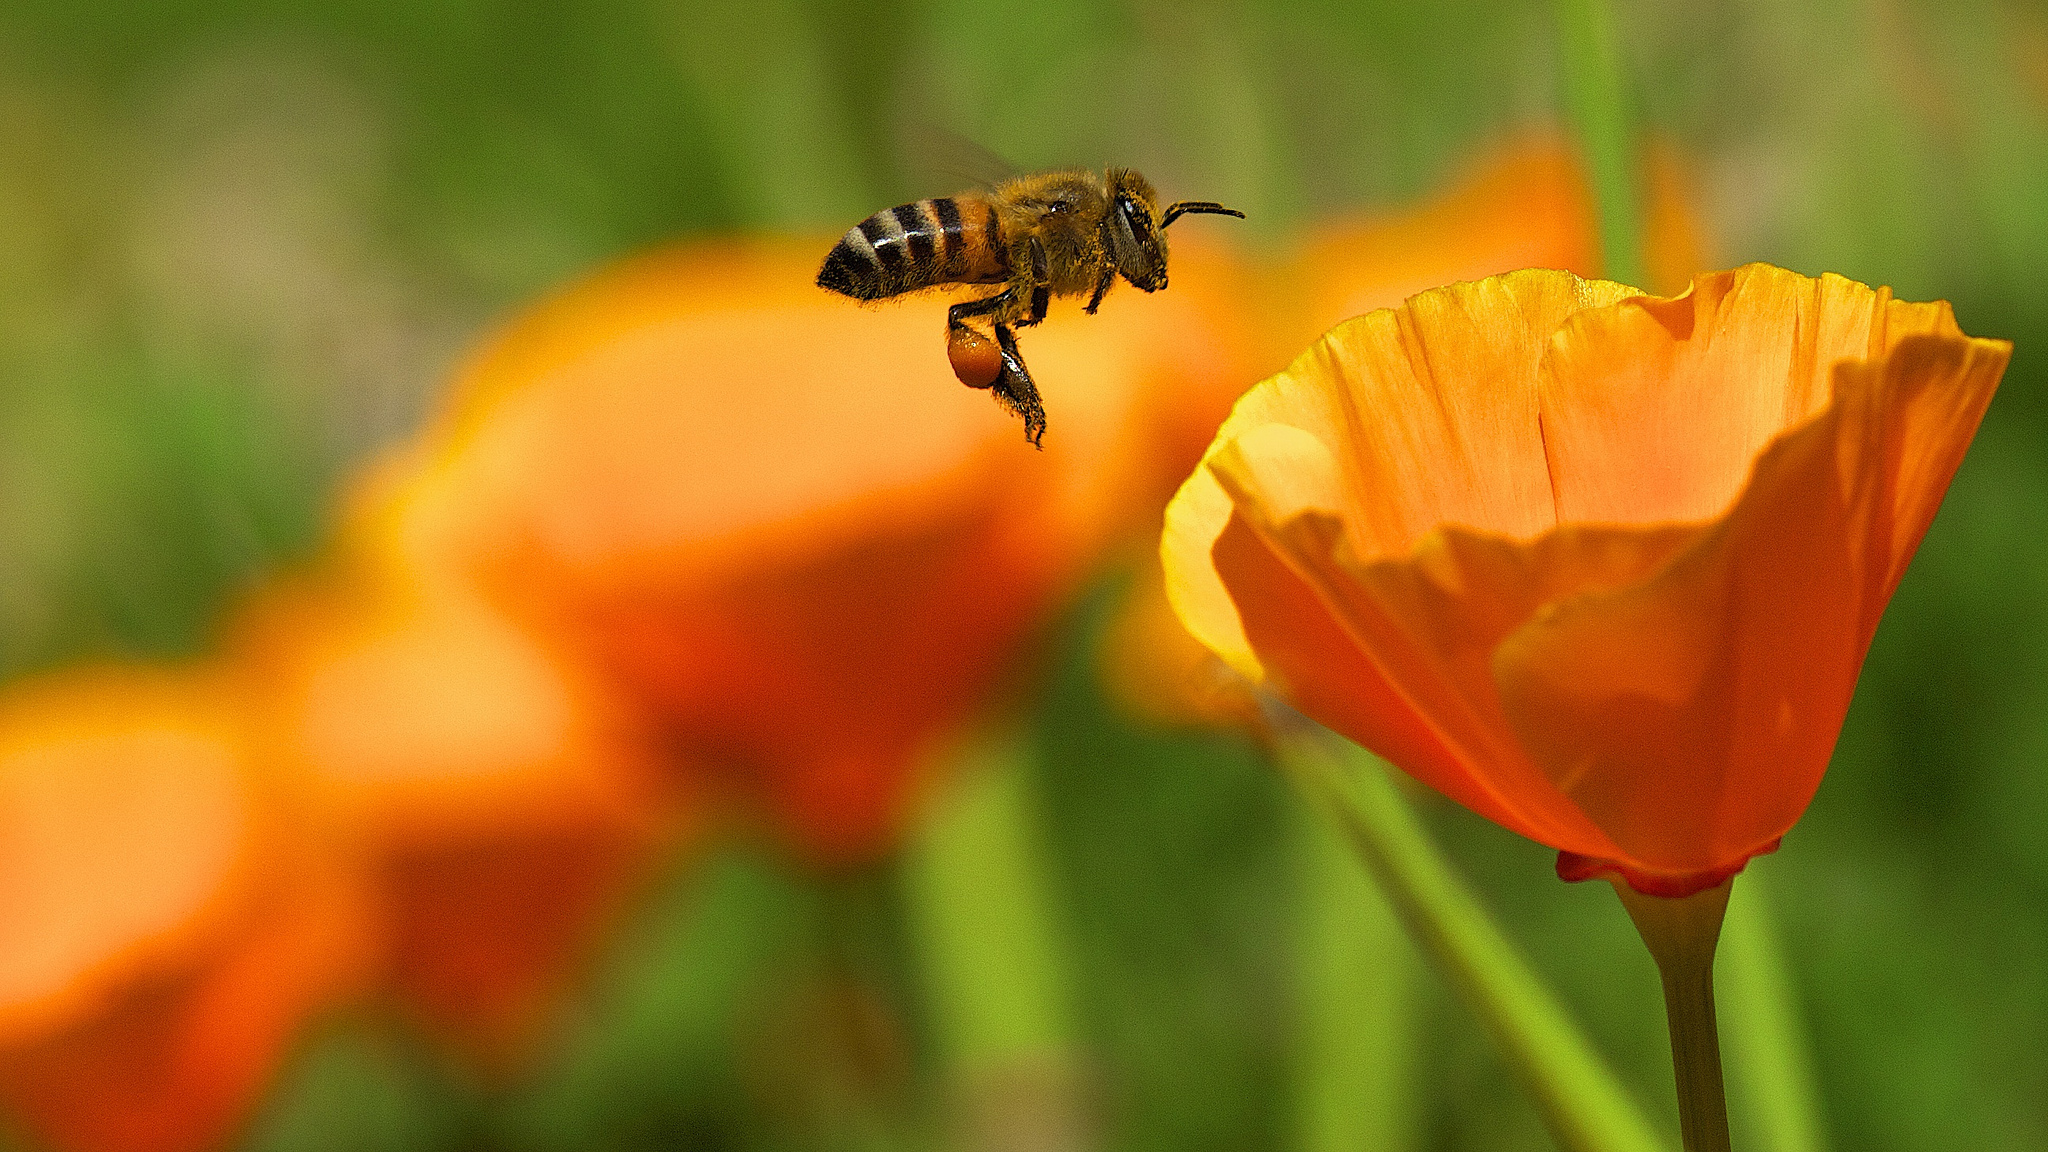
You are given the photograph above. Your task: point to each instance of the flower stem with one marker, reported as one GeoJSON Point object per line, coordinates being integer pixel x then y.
{"type": "Point", "coordinates": [1596, 101]}
{"type": "Point", "coordinates": [1583, 1105]}
{"type": "Point", "coordinates": [996, 961]}
{"type": "Point", "coordinates": [1356, 1021]}
{"type": "Point", "coordinates": [1773, 1087]}
{"type": "Point", "coordinates": [1681, 934]}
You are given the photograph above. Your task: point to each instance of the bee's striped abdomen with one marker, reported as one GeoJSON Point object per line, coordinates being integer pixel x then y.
{"type": "Point", "coordinates": [954, 240]}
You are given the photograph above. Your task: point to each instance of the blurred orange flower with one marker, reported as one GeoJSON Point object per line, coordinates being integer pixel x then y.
{"type": "Point", "coordinates": [168, 927]}
{"type": "Point", "coordinates": [776, 523]}
{"type": "Point", "coordinates": [493, 793]}
{"type": "Point", "coordinates": [1601, 567]}
{"type": "Point", "coordinates": [1526, 206]}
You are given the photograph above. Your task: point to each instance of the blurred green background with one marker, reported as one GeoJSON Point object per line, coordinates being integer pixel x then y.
{"type": "Point", "coordinates": [241, 244]}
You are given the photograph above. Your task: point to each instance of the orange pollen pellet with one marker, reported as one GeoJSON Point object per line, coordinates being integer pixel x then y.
{"type": "Point", "coordinates": [976, 359]}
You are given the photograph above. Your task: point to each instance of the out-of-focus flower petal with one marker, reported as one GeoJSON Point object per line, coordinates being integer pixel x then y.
{"type": "Point", "coordinates": [773, 518]}
{"type": "Point", "coordinates": [168, 929]}
{"type": "Point", "coordinates": [1526, 206]}
{"type": "Point", "coordinates": [1156, 672]}
{"type": "Point", "coordinates": [499, 800]}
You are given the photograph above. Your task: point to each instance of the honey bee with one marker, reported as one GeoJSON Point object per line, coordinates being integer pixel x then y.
{"type": "Point", "coordinates": [1058, 233]}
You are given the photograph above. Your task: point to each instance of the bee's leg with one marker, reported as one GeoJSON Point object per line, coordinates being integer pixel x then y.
{"type": "Point", "coordinates": [1039, 287]}
{"type": "Point", "coordinates": [982, 307]}
{"type": "Point", "coordinates": [1107, 240]}
{"type": "Point", "coordinates": [1101, 288]}
{"type": "Point", "coordinates": [1003, 372]}
{"type": "Point", "coordinates": [1014, 390]}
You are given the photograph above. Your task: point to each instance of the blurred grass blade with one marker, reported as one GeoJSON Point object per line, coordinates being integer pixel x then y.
{"type": "Point", "coordinates": [1596, 101]}
{"type": "Point", "coordinates": [1585, 1107]}
{"type": "Point", "coordinates": [666, 1011]}
{"type": "Point", "coordinates": [1771, 1084]}
{"type": "Point", "coordinates": [1355, 1004]}
{"type": "Point", "coordinates": [995, 958]}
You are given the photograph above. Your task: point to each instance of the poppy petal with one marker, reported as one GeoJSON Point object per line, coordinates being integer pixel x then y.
{"type": "Point", "coordinates": [1443, 388]}
{"type": "Point", "coordinates": [1695, 713]}
{"type": "Point", "coordinates": [1654, 410]}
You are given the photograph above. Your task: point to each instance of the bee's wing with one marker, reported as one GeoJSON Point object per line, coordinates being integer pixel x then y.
{"type": "Point", "coordinates": [938, 157]}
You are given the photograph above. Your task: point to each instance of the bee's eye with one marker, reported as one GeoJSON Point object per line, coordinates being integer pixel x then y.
{"type": "Point", "coordinates": [1136, 244]}
{"type": "Point", "coordinates": [1138, 222]}
{"type": "Point", "coordinates": [1135, 217]}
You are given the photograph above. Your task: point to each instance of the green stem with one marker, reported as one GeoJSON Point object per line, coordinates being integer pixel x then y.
{"type": "Point", "coordinates": [1681, 934]}
{"type": "Point", "coordinates": [1775, 1101]}
{"type": "Point", "coordinates": [1585, 1107]}
{"type": "Point", "coordinates": [995, 960]}
{"type": "Point", "coordinates": [1355, 985]}
{"type": "Point", "coordinates": [1597, 104]}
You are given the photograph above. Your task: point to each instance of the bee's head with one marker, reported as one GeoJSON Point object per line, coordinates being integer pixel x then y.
{"type": "Point", "coordinates": [1135, 229]}
{"type": "Point", "coordinates": [1133, 232]}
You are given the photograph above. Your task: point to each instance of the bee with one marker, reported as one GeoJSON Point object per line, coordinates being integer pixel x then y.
{"type": "Point", "coordinates": [1058, 233]}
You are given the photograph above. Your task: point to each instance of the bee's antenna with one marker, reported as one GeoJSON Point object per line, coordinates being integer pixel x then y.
{"type": "Point", "coordinates": [1196, 208]}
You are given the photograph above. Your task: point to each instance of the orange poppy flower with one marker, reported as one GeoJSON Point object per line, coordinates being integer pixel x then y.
{"type": "Point", "coordinates": [166, 933]}
{"type": "Point", "coordinates": [1527, 206]}
{"type": "Point", "coordinates": [496, 796]}
{"type": "Point", "coordinates": [1601, 567]}
{"type": "Point", "coordinates": [774, 521]}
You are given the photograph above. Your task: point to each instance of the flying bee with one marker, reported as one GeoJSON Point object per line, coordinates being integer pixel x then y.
{"type": "Point", "coordinates": [1058, 233]}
